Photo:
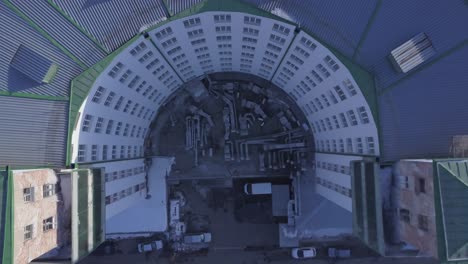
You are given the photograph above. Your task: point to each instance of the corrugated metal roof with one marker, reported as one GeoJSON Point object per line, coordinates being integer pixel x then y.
{"type": "Point", "coordinates": [453, 194]}
{"type": "Point", "coordinates": [420, 115]}
{"type": "Point", "coordinates": [177, 6]}
{"type": "Point", "coordinates": [62, 30]}
{"type": "Point", "coordinates": [31, 64]}
{"type": "Point", "coordinates": [33, 133]}
{"type": "Point", "coordinates": [17, 33]}
{"type": "Point", "coordinates": [338, 23]}
{"type": "Point", "coordinates": [113, 23]}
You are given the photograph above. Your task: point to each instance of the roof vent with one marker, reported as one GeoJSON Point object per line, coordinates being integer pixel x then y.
{"type": "Point", "coordinates": [412, 53]}
{"type": "Point", "coordinates": [33, 65]}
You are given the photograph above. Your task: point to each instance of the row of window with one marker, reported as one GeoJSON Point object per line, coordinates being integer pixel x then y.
{"type": "Point", "coordinates": [133, 109]}
{"type": "Point", "coordinates": [48, 190]}
{"type": "Point", "coordinates": [115, 175]}
{"type": "Point", "coordinates": [124, 193]}
{"type": "Point", "coordinates": [121, 128]}
{"type": "Point", "coordinates": [334, 186]}
{"type": "Point", "coordinates": [333, 167]}
{"type": "Point", "coordinates": [344, 121]}
{"type": "Point", "coordinates": [109, 152]}
{"type": "Point", "coordinates": [48, 223]}
{"type": "Point", "coordinates": [352, 146]}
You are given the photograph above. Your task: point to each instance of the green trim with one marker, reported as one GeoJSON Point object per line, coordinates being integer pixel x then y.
{"type": "Point", "coordinates": [8, 239]}
{"type": "Point", "coordinates": [456, 48]}
{"type": "Point", "coordinates": [71, 20]}
{"type": "Point", "coordinates": [45, 34]}
{"type": "Point", "coordinates": [367, 28]}
{"type": "Point", "coordinates": [34, 96]}
{"type": "Point", "coordinates": [80, 87]}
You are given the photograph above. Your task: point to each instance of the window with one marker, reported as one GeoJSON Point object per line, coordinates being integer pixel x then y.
{"type": "Point", "coordinates": [335, 120]}
{"type": "Point", "coordinates": [122, 152]}
{"type": "Point", "coordinates": [423, 222]}
{"type": "Point", "coordinates": [81, 152]}
{"type": "Point", "coordinates": [224, 46]}
{"type": "Point", "coordinates": [152, 64]}
{"type": "Point", "coordinates": [421, 185]}
{"type": "Point", "coordinates": [222, 18]}
{"type": "Point", "coordinates": [28, 194]}
{"type": "Point", "coordinates": [87, 123]}
{"type": "Point", "coordinates": [352, 118]}
{"type": "Point", "coordinates": [308, 44]}
{"type": "Point", "coordinates": [48, 190]}
{"type": "Point", "coordinates": [163, 33]}
{"type": "Point", "coordinates": [127, 106]}
{"type": "Point", "coordinates": [114, 151]}
{"type": "Point", "coordinates": [118, 128]}
{"type": "Point", "coordinates": [325, 99]}
{"type": "Point", "coordinates": [316, 76]}
{"type": "Point", "coordinates": [343, 120]}
{"type": "Point", "coordinates": [110, 124]}
{"type": "Point", "coordinates": [249, 40]}
{"type": "Point", "coordinates": [360, 148]}
{"type": "Point", "coordinates": [281, 29]}
{"type": "Point", "coordinates": [350, 87]}
{"type": "Point", "coordinates": [133, 82]}
{"type": "Point", "coordinates": [28, 232]}
{"type": "Point", "coordinates": [166, 44]}
{"type": "Point", "coordinates": [98, 94]}
{"type": "Point", "coordinates": [99, 123]}
{"type": "Point", "coordinates": [251, 31]}
{"type": "Point", "coordinates": [370, 145]}
{"type": "Point", "coordinates": [223, 38]}
{"type": "Point", "coordinates": [331, 63]}
{"type": "Point", "coordinates": [342, 148]}
{"type": "Point", "coordinates": [195, 33]}
{"type": "Point", "coordinates": [252, 20]}
{"type": "Point", "coordinates": [363, 115]}
{"type": "Point", "coordinates": [192, 22]}
{"type": "Point", "coordinates": [104, 152]}
{"type": "Point", "coordinates": [302, 52]}
{"type": "Point", "coordinates": [119, 103]}
{"type": "Point", "coordinates": [109, 99]}
{"type": "Point", "coordinates": [94, 152]}
{"type": "Point", "coordinates": [332, 97]}
{"type": "Point", "coordinates": [223, 29]}
{"type": "Point", "coordinates": [125, 133]}
{"type": "Point", "coordinates": [277, 39]}
{"type": "Point", "coordinates": [146, 57]}
{"type": "Point", "coordinates": [141, 46]}
{"type": "Point", "coordinates": [48, 224]}
{"type": "Point", "coordinates": [125, 76]}
{"type": "Point", "coordinates": [129, 151]}
{"type": "Point", "coordinates": [349, 145]}
{"type": "Point", "coordinates": [115, 70]}
{"type": "Point", "coordinates": [405, 215]}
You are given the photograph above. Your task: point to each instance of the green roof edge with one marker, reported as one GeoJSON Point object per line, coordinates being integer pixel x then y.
{"type": "Point", "coordinates": [80, 87]}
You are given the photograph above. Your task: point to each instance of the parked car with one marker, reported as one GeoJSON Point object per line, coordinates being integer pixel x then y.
{"type": "Point", "coordinates": [304, 252]}
{"type": "Point", "coordinates": [150, 246]}
{"type": "Point", "coordinates": [257, 188]}
{"type": "Point", "coordinates": [339, 253]}
{"type": "Point", "coordinates": [198, 238]}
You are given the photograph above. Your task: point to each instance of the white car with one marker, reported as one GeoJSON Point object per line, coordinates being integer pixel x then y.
{"type": "Point", "coordinates": [198, 238]}
{"type": "Point", "coordinates": [257, 188]}
{"type": "Point", "coordinates": [146, 247]}
{"type": "Point", "coordinates": [304, 252]}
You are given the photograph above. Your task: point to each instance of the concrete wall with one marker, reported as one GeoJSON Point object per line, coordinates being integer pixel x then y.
{"type": "Point", "coordinates": [26, 213]}
{"type": "Point", "coordinates": [418, 203]}
{"type": "Point", "coordinates": [335, 178]}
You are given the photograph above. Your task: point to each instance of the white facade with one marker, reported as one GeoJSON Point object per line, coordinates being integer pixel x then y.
{"type": "Point", "coordinates": [333, 178]}
{"type": "Point", "coordinates": [125, 185]}
{"type": "Point", "coordinates": [223, 41]}
{"type": "Point", "coordinates": [144, 74]}
{"type": "Point", "coordinates": [120, 106]}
